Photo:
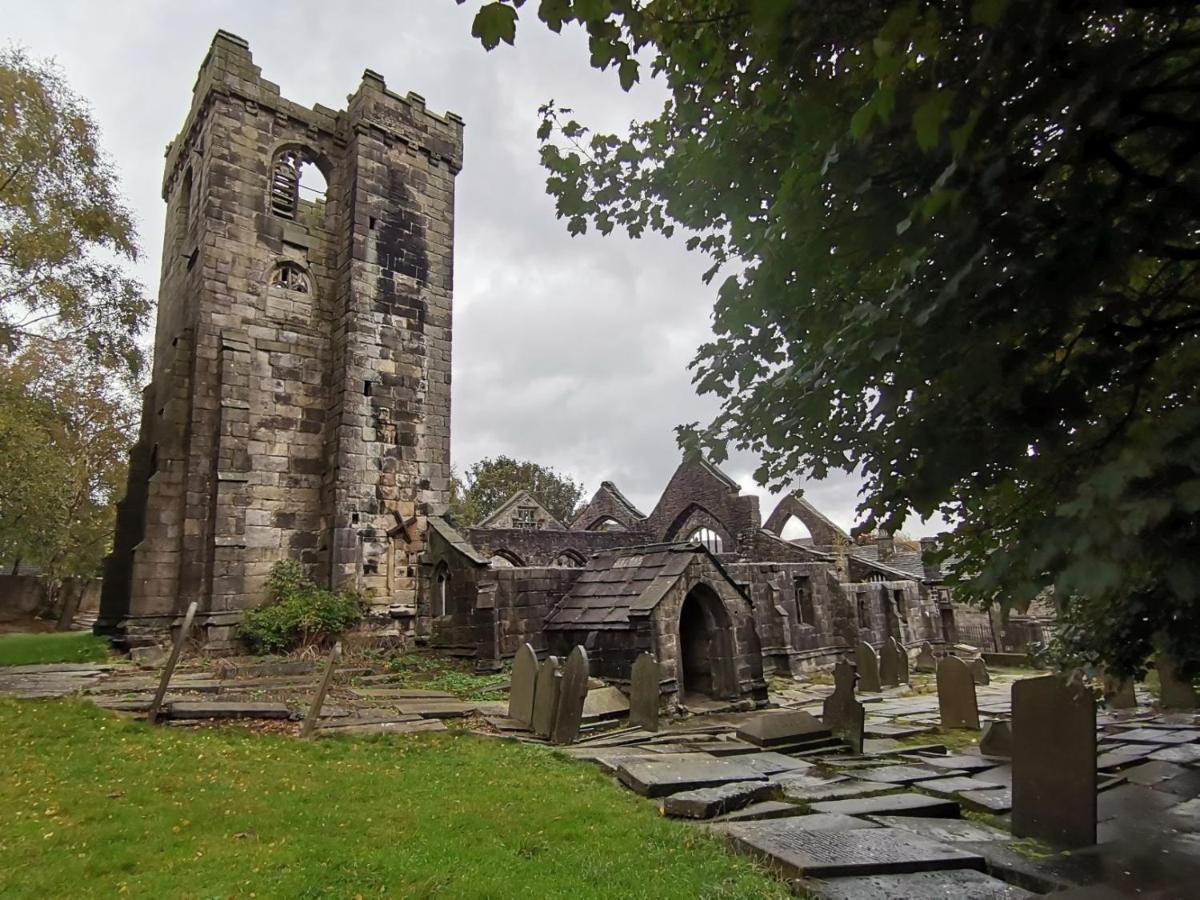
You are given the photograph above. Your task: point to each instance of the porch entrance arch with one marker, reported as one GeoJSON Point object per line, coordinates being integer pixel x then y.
{"type": "Point", "coordinates": [706, 653]}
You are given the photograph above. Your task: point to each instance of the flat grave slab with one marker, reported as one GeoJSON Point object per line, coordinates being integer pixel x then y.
{"type": "Point", "coordinates": [683, 772]}
{"type": "Point", "coordinates": [1157, 736]}
{"type": "Point", "coordinates": [219, 710]}
{"type": "Point", "coordinates": [769, 763]}
{"type": "Point", "coordinates": [903, 774]}
{"type": "Point", "coordinates": [816, 789]}
{"type": "Point", "coordinates": [891, 805]}
{"type": "Point", "coordinates": [1152, 772]}
{"type": "Point", "coordinates": [947, 830]}
{"type": "Point", "coordinates": [1184, 754]}
{"type": "Point", "coordinates": [755, 812]}
{"type": "Point", "coordinates": [1184, 786]}
{"type": "Point", "coordinates": [948, 787]}
{"type": "Point", "coordinates": [797, 850]}
{"type": "Point", "coordinates": [890, 730]}
{"type": "Point", "coordinates": [965, 884]}
{"type": "Point", "coordinates": [398, 693]}
{"type": "Point", "coordinates": [1124, 756]}
{"type": "Point", "coordinates": [437, 709]}
{"type": "Point", "coordinates": [966, 762]}
{"type": "Point", "coordinates": [996, 801]}
{"type": "Point", "coordinates": [704, 803]}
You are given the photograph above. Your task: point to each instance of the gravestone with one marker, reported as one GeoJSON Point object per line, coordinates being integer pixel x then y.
{"type": "Point", "coordinates": [780, 727]}
{"type": "Point", "coordinates": [644, 698]}
{"type": "Point", "coordinates": [604, 703]}
{"type": "Point", "coordinates": [926, 661]}
{"type": "Point", "coordinates": [798, 851]}
{"type": "Point", "coordinates": [704, 803]}
{"type": "Point", "coordinates": [573, 688]}
{"type": "Point", "coordinates": [868, 668]}
{"type": "Point", "coordinates": [889, 663]}
{"type": "Point", "coordinates": [956, 694]}
{"type": "Point", "coordinates": [1118, 693]}
{"type": "Point", "coordinates": [844, 716]}
{"type": "Point", "coordinates": [545, 696]}
{"type": "Point", "coordinates": [901, 662]}
{"type": "Point", "coordinates": [996, 739]}
{"type": "Point", "coordinates": [1054, 762]}
{"type": "Point", "coordinates": [670, 773]}
{"type": "Point", "coordinates": [979, 671]}
{"type": "Point", "coordinates": [522, 685]}
{"type": "Point", "coordinates": [1174, 692]}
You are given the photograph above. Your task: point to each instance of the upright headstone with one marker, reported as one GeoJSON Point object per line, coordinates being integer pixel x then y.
{"type": "Point", "coordinates": [979, 671]}
{"type": "Point", "coordinates": [889, 664]}
{"type": "Point", "coordinates": [1054, 762]}
{"type": "Point", "coordinates": [573, 690]}
{"type": "Point", "coordinates": [901, 662]}
{"type": "Point", "coordinates": [996, 739]}
{"type": "Point", "coordinates": [522, 685]}
{"type": "Point", "coordinates": [645, 692]}
{"type": "Point", "coordinates": [1118, 692]}
{"type": "Point", "coordinates": [842, 714]}
{"type": "Point", "coordinates": [956, 694]}
{"type": "Point", "coordinates": [868, 668]}
{"type": "Point", "coordinates": [545, 696]}
{"type": "Point", "coordinates": [926, 661]}
{"type": "Point", "coordinates": [1175, 692]}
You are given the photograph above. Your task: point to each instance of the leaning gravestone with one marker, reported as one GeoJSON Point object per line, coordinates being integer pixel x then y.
{"type": "Point", "coordinates": [842, 714]}
{"type": "Point", "coordinates": [926, 661]}
{"type": "Point", "coordinates": [545, 696]}
{"type": "Point", "coordinates": [956, 694]}
{"type": "Point", "coordinates": [979, 671]}
{"type": "Point", "coordinates": [1118, 692]}
{"type": "Point", "coordinates": [1175, 692]}
{"type": "Point", "coordinates": [996, 739]}
{"type": "Point", "coordinates": [522, 685]}
{"type": "Point", "coordinates": [868, 668]}
{"type": "Point", "coordinates": [644, 692]}
{"type": "Point", "coordinates": [573, 691]}
{"type": "Point", "coordinates": [1054, 762]}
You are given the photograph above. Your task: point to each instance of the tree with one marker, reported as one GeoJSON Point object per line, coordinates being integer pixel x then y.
{"type": "Point", "coordinates": [65, 430]}
{"type": "Point", "coordinates": [490, 482]}
{"type": "Point", "coordinates": [957, 247]}
{"type": "Point", "coordinates": [63, 227]}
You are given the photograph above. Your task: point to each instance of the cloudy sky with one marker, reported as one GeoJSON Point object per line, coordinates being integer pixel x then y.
{"type": "Point", "coordinates": [569, 351]}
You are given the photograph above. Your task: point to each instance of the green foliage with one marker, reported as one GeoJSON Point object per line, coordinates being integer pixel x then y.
{"type": "Point", "coordinates": [65, 428]}
{"type": "Point", "coordinates": [439, 673]}
{"type": "Point", "coordinates": [58, 647]}
{"type": "Point", "coordinates": [62, 223]}
{"type": "Point", "coordinates": [957, 254]}
{"type": "Point", "coordinates": [92, 805]}
{"type": "Point", "coordinates": [297, 612]}
{"type": "Point", "coordinates": [489, 482]}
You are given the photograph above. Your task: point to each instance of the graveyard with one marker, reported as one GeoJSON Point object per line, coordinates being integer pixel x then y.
{"type": "Point", "coordinates": [941, 778]}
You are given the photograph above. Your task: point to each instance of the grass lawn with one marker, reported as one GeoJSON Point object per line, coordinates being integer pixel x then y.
{"type": "Point", "coordinates": [52, 647]}
{"type": "Point", "coordinates": [95, 805]}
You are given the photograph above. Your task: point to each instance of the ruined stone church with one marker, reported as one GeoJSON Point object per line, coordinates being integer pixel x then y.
{"type": "Point", "coordinates": [299, 408]}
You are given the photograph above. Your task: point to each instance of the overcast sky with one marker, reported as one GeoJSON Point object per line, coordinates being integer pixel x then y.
{"type": "Point", "coordinates": [569, 351]}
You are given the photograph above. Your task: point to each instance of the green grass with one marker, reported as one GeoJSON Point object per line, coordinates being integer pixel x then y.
{"type": "Point", "coordinates": [441, 673]}
{"type": "Point", "coordinates": [54, 647]}
{"type": "Point", "coordinates": [95, 805]}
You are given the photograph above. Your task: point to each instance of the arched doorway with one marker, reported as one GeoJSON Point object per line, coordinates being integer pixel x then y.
{"type": "Point", "coordinates": [705, 646]}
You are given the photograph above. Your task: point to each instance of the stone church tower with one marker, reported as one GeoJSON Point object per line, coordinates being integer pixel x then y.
{"type": "Point", "coordinates": [299, 406]}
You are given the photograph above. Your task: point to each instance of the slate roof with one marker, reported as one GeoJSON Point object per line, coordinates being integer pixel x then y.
{"type": "Point", "coordinates": [456, 540]}
{"type": "Point", "coordinates": [907, 562]}
{"type": "Point", "coordinates": [630, 580]}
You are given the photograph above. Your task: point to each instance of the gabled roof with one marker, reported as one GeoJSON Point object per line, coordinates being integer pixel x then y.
{"type": "Point", "coordinates": [446, 531]}
{"type": "Point", "coordinates": [604, 503]}
{"type": "Point", "coordinates": [521, 497]}
{"type": "Point", "coordinates": [719, 474]}
{"type": "Point", "coordinates": [627, 581]}
{"type": "Point", "coordinates": [905, 563]}
{"type": "Point", "coordinates": [622, 499]}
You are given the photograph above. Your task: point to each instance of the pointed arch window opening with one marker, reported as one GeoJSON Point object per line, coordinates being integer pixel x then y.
{"type": "Point", "coordinates": [291, 277]}
{"type": "Point", "coordinates": [709, 538]}
{"type": "Point", "coordinates": [295, 176]}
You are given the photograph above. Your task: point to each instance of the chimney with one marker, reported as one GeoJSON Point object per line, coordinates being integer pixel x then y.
{"type": "Point", "coordinates": [885, 546]}
{"type": "Point", "coordinates": [931, 571]}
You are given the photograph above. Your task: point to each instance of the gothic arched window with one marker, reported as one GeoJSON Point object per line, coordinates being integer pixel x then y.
{"type": "Point", "coordinates": [709, 538]}
{"type": "Point", "coordinates": [295, 177]}
{"type": "Point", "coordinates": [291, 277]}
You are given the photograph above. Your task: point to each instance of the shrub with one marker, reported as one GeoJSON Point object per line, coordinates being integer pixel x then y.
{"type": "Point", "coordinates": [297, 612]}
